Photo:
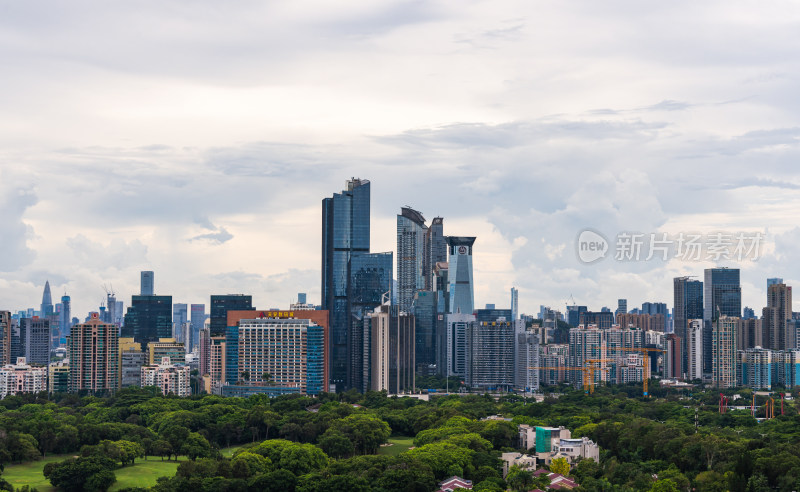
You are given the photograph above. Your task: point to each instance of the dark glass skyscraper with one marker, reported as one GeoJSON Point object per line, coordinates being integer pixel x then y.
{"type": "Point", "coordinates": [148, 319]}
{"type": "Point", "coordinates": [413, 261]}
{"type": "Point", "coordinates": [221, 304]}
{"type": "Point", "coordinates": [147, 283]}
{"type": "Point", "coordinates": [47, 301]}
{"type": "Point", "coordinates": [722, 297]}
{"type": "Point", "coordinates": [688, 304]}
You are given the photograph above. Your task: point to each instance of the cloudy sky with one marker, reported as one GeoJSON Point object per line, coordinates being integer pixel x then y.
{"type": "Point", "coordinates": [197, 139]}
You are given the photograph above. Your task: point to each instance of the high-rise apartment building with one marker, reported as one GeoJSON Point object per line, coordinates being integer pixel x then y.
{"type": "Point", "coordinates": [204, 345]}
{"type": "Point", "coordinates": [58, 377]}
{"type": "Point", "coordinates": [527, 358]}
{"type": "Point", "coordinates": [688, 304]}
{"type": "Point", "coordinates": [755, 368]}
{"type": "Point", "coordinates": [93, 351]}
{"type": "Point", "coordinates": [673, 357]}
{"type": "Point", "coordinates": [389, 346]}
{"type": "Point", "coordinates": [694, 347]}
{"type": "Point", "coordinates": [587, 345]}
{"type": "Point", "coordinates": [723, 351]}
{"type": "Point", "coordinates": [455, 343]}
{"type": "Point", "coordinates": [36, 333]}
{"type": "Point", "coordinates": [601, 319]}
{"type": "Point", "coordinates": [722, 297]}
{"type": "Point", "coordinates": [461, 288]}
{"type": "Point", "coordinates": [775, 316]}
{"type": "Point", "coordinates": [491, 354]}
{"type": "Point", "coordinates": [147, 287]}
{"type": "Point", "coordinates": [5, 338]}
{"type": "Point", "coordinates": [413, 261]}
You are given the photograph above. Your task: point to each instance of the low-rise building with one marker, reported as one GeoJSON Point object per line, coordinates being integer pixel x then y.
{"type": "Point", "coordinates": [523, 461]}
{"type": "Point", "coordinates": [170, 378]}
{"type": "Point", "coordinates": [22, 378]}
{"type": "Point", "coordinates": [454, 483]}
{"type": "Point", "coordinates": [574, 449]}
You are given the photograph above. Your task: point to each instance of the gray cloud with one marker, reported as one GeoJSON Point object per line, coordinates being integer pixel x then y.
{"type": "Point", "coordinates": [14, 250]}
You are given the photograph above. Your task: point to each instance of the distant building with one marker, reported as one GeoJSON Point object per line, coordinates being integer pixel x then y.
{"type": "Point", "coordinates": [527, 358]}
{"type": "Point", "coordinates": [148, 319]}
{"type": "Point", "coordinates": [413, 261]}
{"type": "Point", "coordinates": [514, 304]}
{"type": "Point", "coordinates": [775, 317]}
{"type": "Point", "coordinates": [722, 297]}
{"type": "Point", "coordinates": [389, 350]}
{"type": "Point", "coordinates": [58, 377]}
{"type": "Point", "coordinates": [647, 322]}
{"type": "Point", "coordinates": [221, 304]}
{"type": "Point", "coordinates": [93, 349]}
{"type": "Point", "coordinates": [166, 347]}
{"type": "Point", "coordinates": [205, 352]}
{"type": "Point", "coordinates": [574, 315]}
{"type": "Point", "coordinates": [147, 283]}
{"type": "Point", "coordinates": [425, 313]}
{"type": "Point", "coordinates": [5, 338]}
{"type": "Point", "coordinates": [688, 305]}
{"type": "Point", "coordinates": [723, 339]}
{"type": "Point", "coordinates": [180, 316]}
{"type": "Point", "coordinates": [22, 378]}
{"type": "Point", "coordinates": [755, 369]}
{"type": "Point", "coordinates": [491, 354]}
{"type": "Point", "coordinates": [36, 333]}
{"type": "Point", "coordinates": [457, 326]}
{"type": "Point", "coordinates": [553, 358]}
{"type": "Point", "coordinates": [131, 360]}
{"type": "Point", "coordinates": [622, 307]}
{"type": "Point", "coordinates": [602, 319]}
{"type": "Point", "coordinates": [462, 297]}
{"type": "Point", "coordinates": [198, 320]}
{"type": "Point", "coordinates": [673, 357]}
{"type": "Point", "coordinates": [694, 345]}
{"type": "Point", "coordinates": [170, 378]}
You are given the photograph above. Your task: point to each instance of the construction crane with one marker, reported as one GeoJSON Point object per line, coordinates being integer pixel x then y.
{"type": "Point", "coordinates": [645, 376]}
{"type": "Point", "coordinates": [723, 403]}
{"type": "Point", "coordinates": [587, 373]}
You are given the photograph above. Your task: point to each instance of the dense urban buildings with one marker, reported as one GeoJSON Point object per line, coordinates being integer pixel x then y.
{"type": "Point", "coordinates": [22, 378]}
{"type": "Point", "coordinates": [168, 377]}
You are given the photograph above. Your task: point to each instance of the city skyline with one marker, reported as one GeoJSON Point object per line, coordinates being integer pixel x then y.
{"type": "Point", "coordinates": [497, 117]}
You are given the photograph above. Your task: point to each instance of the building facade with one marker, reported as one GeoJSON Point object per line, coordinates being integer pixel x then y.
{"type": "Point", "coordinates": [688, 304]}
{"type": "Point", "coordinates": [722, 297]}
{"type": "Point", "coordinates": [413, 261]}
{"type": "Point", "coordinates": [461, 288]}
{"type": "Point", "coordinates": [491, 354]}
{"type": "Point", "coordinates": [723, 350]}
{"type": "Point", "coordinates": [389, 353]}
{"type": "Point", "coordinates": [148, 319]}
{"type": "Point", "coordinates": [171, 379]}
{"type": "Point", "coordinates": [22, 378]}
{"type": "Point", "coordinates": [93, 349]}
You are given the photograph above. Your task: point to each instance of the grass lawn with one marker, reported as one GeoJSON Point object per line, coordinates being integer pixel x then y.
{"type": "Point", "coordinates": [398, 445]}
{"type": "Point", "coordinates": [142, 474]}
{"type": "Point", "coordinates": [228, 452]}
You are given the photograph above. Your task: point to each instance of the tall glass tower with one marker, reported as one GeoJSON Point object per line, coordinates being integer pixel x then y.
{"type": "Point", "coordinates": [345, 233]}
{"type": "Point", "coordinates": [462, 296]}
{"type": "Point", "coordinates": [688, 305]}
{"type": "Point", "coordinates": [47, 301]}
{"type": "Point", "coordinates": [411, 256]}
{"type": "Point", "coordinates": [147, 283]}
{"type": "Point", "coordinates": [722, 297]}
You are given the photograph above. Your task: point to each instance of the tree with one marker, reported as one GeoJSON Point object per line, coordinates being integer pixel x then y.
{"type": "Point", "coordinates": [72, 475]}
{"type": "Point", "coordinates": [246, 375]}
{"type": "Point", "coordinates": [560, 466]}
{"type": "Point", "coordinates": [665, 485]}
{"type": "Point", "coordinates": [367, 432]}
{"type": "Point", "coordinates": [519, 479]}
{"type": "Point", "coordinates": [101, 481]}
{"type": "Point", "coordinates": [336, 445]}
{"type": "Point", "coordinates": [196, 446]}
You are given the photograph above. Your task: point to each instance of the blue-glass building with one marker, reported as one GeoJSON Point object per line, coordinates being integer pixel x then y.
{"type": "Point", "coordinates": [315, 361]}
{"type": "Point", "coordinates": [461, 289]}
{"type": "Point", "coordinates": [688, 305]}
{"type": "Point", "coordinates": [722, 296]}
{"type": "Point", "coordinates": [425, 315]}
{"type": "Point", "coordinates": [413, 261]}
{"type": "Point", "coordinates": [353, 280]}
{"type": "Point", "coordinates": [221, 304]}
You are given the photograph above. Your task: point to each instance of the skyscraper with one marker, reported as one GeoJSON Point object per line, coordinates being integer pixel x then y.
{"type": "Point", "coordinates": [93, 351]}
{"type": "Point", "coordinates": [221, 304]}
{"type": "Point", "coordinates": [180, 316]}
{"type": "Point", "coordinates": [491, 354]}
{"type": "Point", "coordinates": [148, 319]}
{"type": "Point", "coordinates": [5, 337]}
{"type": "Point", "coordinates": [425, 318]}
{"type": "Point", "coordinates": [437, 246]}
{"type": "Point", "coordinates": [723, 350]}
{"type": "Point", "coordinates": [412, 256]}
{"type": "Point", "coordinates": [47, 302]}
{"type": "Point", "coordinates": [37, 340]}
{"type": "Point", "coordinates": [389, 350]}
{"type": "Point", "coordinates": [722, 297]}
{"type": "Point", "coordinates": [514, 304]}
{"type": "Point", "coordinates": [694, 347]}
{"type": "Point", "coordinates": [353, 280]}
{"type": "Point", "coordinates": [688, 304]}
{"type": "Point", "coordinates": [65, 315]}
{"type": "Point", "coordinates": [147, 283]}
{"type": "Point", "coordinates": [773, 281]}
{"type": "Point", "coordinates": [462, 296]}
{"type": "Point", "coordinates": [622, 306]}
{"type": "Point", "coordinates": [198, 318]}
{"type": "Point", "coordinates": [775, 316]}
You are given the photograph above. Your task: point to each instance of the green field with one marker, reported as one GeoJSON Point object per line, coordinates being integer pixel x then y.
{"type": "Point", "coordinates": [398, 445]}
{"type": "Point", "coordinates": [142, 474]}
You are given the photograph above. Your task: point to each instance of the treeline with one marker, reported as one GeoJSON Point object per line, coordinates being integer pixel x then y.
{"type": "Point", "coordinates": [673, 441]}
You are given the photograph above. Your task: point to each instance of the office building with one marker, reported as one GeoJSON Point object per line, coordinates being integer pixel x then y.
{"type": "Point", "coordinates": [461, 288]}
{"type": "Point", "coordinates": [345, 233]}
{"type": "Point", "coordinates": [217, 364]}
{"type": "Point", "coordinates": [93, 349]}
{"type": "Point", "coordinates": [688, 304]}
{"type": "Point", "coordinates": [456, 354]}
{"type": "Point", "coordinates": [65, 316]}
{"type": "Point", "coordinates": [198, 320]}
{"type": "Point", "coordinates": [722, 297]}
{"type": "Point", "coordinates": [673, 357]}
{"type": "Point", "coordinates": [171, 379]}
{"type": "Point", "coordinates": [148, 319]}
{"type": "Point", "coordinates": [574, 315]}
{"type": "Point", "coordinates": [5, 338]}
{"type": "Point", "coordinates": [180, 316]}
{"type": "Point", "coordinates": [755, 368]}
{"type": "Point", "coordinates": [602, 319]}
{"type": "Point", "coordinates": [748, 313]}
{"type": "Point", "coordinates": [147, 284]}
{"type": "Point", "coordinates": [166, 347]}
{"type": "Point", "coordinates": [436, 243]}
{"type": "Point", "coordinates": [491, 348]}
{"type": "Point", "coordinates": [425, 313]}
{"type": "Point", "coordinates": [58, 377]}
{"type": "Point", "coordinates": [221, 304]}
{"type": "Point", "coordinates": [22, 378]}
{"type": "Point", "coordinates": [514, 304]}
{"type": "Point", "coordinates": [773, 281]}
{"type": "Point", "coordinates": [775, 316]}
{"type": "Point", "coordinates": [413, 261]}
{"type": "Point", "coordinates": [35, 333]}
{"type": "Point", "coordinates": [723, 351]}
{"type": "Point", "coordinates": [622, 307]}
{"type": "Point", "coordinates": [47, 301]}
{"type": "Point", "coordinates": [389, 347]}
